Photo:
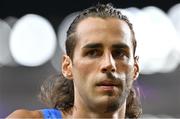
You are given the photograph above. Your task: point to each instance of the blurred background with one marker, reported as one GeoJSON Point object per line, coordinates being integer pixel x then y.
{"type": "Point", "coordinates": [32, 36]}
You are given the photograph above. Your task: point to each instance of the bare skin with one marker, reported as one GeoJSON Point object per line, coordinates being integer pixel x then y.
{"type": "Point", "coordinates": [104, 46]}
{"type": "Point", "coordinates": [22, 113]}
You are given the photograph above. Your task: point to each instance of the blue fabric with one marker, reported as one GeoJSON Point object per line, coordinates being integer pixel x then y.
{"type": "Point", "coordinates": [51, 114]}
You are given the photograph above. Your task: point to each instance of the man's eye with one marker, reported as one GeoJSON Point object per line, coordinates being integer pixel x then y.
{"type": "Point", "coordinates": [119, 54]}
{"type": "Point", "coordinates": [93, 53]}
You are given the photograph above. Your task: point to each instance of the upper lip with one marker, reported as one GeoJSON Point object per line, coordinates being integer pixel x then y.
{"type": "Point", "coordinates": [107, 83]}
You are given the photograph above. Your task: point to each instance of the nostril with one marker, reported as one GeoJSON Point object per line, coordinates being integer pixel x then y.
{"type": "Point", "coordinates": [113, 70]}
{"type": "Point", "coordinates": [104, 70]}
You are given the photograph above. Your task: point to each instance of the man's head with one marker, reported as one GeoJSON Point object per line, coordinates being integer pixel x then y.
{"type": "Point", "coordinates": [100, 64]}
{"type": "Point", "coordinates": [101, 58]}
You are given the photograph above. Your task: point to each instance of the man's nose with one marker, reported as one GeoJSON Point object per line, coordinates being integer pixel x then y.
{"type": "Point", "coordinates": [108, 64]}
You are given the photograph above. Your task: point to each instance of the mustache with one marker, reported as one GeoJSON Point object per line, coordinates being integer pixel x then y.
{"type": "Point", "coordinates": [115, 76]}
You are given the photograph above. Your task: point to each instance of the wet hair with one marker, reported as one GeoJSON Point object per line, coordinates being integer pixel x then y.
{"type": "Point", "coordinates": [59, 92]}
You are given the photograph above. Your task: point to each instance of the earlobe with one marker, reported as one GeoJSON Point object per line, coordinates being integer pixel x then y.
{"type": "Point", "coordinates": [136, 67]}
{"type": "Point", "coordinates": [67, 67]}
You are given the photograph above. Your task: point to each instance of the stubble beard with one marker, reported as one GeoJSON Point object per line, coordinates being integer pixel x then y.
{"type": "Point", "coordinates": [113, 106]}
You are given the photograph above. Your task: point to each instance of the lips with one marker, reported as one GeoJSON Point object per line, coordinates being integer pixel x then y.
{"type": "Point", "coordinates": [106, 86]}
{"type": "Point", "coordinates": [107, 83]}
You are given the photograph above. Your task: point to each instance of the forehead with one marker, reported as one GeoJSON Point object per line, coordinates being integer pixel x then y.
{"type": "Point", "coordinates": [107, 30]}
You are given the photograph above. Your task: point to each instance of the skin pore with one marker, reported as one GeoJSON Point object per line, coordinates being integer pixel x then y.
{"type": "Point", "coordinates": [103, 68]}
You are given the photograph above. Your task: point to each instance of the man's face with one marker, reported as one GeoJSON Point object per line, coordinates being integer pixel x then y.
{"type": "Point", "coordinates": [103, 64]}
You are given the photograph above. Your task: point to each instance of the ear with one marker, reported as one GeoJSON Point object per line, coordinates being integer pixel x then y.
{"type": "Point", "coordinates": [67, 67]}
{"type": "Point", "coordinates": [136, 67]}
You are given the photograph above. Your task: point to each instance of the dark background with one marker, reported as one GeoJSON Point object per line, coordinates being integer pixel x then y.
{"type": "Point", "coordinates": [55, 10]}
{"type": "Point", "coordinates": [19, 86]}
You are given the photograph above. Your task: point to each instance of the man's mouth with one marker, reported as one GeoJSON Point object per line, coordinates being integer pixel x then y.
{"type": "Point", "coordinates": [106, 83]}
{"type": "Point", "coordinates": [112, 82]}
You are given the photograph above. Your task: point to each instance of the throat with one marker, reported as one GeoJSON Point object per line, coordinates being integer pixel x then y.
{"type": "Point", "coordinates": [78, 113]}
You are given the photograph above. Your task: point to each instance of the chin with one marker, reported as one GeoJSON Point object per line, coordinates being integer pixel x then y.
{"type": "Point", "coordinates": [110, 99]}
{"type": "Point", "coordinates": [105, 104]}
{"type": "Point", "coordinates": [112, 104]}
{"type": "Point", "coordinates": [116, 101]}
{"type": "Point", "coordinates": [112, 107]}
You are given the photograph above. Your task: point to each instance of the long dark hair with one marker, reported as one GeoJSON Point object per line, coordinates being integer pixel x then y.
{"type": "Point", "coordinates": [58, 92]}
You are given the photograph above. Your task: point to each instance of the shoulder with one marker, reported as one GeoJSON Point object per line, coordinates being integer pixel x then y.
{"type": "Point", "coordinates": [23, 113]}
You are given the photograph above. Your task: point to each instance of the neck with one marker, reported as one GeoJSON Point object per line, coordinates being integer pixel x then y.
{"type": "Point", "coordinates": [81, 112]}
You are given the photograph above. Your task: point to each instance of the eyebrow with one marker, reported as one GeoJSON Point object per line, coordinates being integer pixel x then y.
{"type": "Point", "coordinates": [120, 45]}
{"type": "Point", "coordinates": [93, 45]}
{"type": "Point", "coordinates": [99, 45]}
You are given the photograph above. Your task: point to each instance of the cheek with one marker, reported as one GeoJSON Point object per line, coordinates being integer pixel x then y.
{"type": "Point", "coordinates": [128, 70]}
{"type": "Point", "coordinates": [84, 68]}
{"type": "Point", "coordinates": [83, 76]}
{"type": "Point", "coordinates": [125, 67]}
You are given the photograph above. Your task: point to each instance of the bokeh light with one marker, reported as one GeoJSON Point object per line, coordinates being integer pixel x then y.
{"type": "Point", "coordinates": [32, 41]}
{"type": "Point", "coordinates": [5, 54]}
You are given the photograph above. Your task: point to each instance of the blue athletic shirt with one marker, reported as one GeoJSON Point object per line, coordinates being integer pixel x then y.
{"type": "Point", "coordinates": [51, 114]}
